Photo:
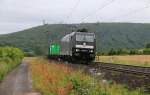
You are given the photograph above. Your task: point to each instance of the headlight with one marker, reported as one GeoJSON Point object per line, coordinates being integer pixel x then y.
{"type": "Point", "coordinates": [77, 50]}
{"type": "Point", "coordinates": [91, 51]}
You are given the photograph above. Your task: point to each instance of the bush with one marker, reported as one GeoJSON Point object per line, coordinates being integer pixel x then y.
{"type": "Point", "coordinates": [100, 53]}
{"type": "Point", "coordinates": [148, 45]}
{"type": "Point", "coordinates": [146, 51]}
{"type": "Point", "coordinates": [123, 52]}
{"type": "Point", "coordinates": [82, 30]}
{"type": "Point", "coordinates": [134, 52]}
{"type": "Point", "coordinates": [9, 58]}
{"type": "Point", "coordinates": [112, 52]}
{"type": "Point", "coordinates": [118, 52]}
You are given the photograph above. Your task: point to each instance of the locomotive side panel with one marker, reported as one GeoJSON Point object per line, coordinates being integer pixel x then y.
{"type": "Point", "coordinates": [65, 46]}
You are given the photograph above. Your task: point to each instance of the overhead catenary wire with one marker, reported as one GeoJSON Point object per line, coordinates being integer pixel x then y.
{"type": "Point", "coordinates": [101, 8]}
{"type": "Point", "coordinates": [70, 14]}
{"type": "Point", "coordinates": [97, 10]}
{"type": "Point", "coordinates": [73, 9]}
{"type": "Point", "coordinates": [130, 13]}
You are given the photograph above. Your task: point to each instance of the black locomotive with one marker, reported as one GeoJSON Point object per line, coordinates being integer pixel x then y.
{"type": "Point", "coordinates": [77, 46]}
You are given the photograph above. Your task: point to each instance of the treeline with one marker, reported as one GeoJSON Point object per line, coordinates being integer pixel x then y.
{"type": "Point", "coordinates": [120, 52]}
{"type": "Point", "coordinates": [145, 51]}
{"type": "Point", "coordinates": [10, 57]}
{"type": "Point", "coordinates": [36, 40]}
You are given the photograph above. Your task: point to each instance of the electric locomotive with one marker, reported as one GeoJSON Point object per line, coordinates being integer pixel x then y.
{"type": "Point", "coordinates": [76, 46]}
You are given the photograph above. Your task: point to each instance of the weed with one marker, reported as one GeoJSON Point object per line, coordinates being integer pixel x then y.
{"type": "Point", "coordinates": [59, 79]}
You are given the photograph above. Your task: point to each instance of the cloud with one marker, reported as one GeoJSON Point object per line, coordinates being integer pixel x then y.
{"type": "Point", "coordinates": [20, 14]}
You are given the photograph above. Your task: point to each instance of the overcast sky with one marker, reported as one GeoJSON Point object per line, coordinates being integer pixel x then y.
{"type": "Point", "coordinates": [17, 15]}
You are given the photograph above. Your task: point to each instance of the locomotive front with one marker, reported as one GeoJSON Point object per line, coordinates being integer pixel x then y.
{"type": "Point", "coordinates": [84, 46]}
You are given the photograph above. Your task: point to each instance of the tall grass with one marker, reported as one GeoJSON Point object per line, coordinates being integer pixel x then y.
{"type": "Point", "coordinates": [9, 58]}
{"type": "Point", "coordinates": [59, 79]}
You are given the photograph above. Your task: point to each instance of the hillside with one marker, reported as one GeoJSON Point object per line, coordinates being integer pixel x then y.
{"type": "Point", "coordinates": [109, 35]}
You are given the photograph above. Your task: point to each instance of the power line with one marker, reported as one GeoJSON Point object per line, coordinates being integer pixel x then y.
{"type": "Point", "coordinates": [130, 13]}
{"type": "Point", "coordinates": [99, 9]}
{"type": "Point", "coordinates": [73, 9]}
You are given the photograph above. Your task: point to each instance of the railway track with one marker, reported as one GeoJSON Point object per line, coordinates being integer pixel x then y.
{"type": "Point", "coordinates": [130, 69]}
{"type": "Point", "coordinates": [138, 70]}
{"type": "Point", "coordinates": [133, 76]}
{"type": "Point", "coordinates": [123, 68]}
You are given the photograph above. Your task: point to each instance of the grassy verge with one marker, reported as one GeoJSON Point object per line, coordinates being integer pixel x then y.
{"type": "Point", "coordinates": [137, 60]}
{"type": "Point", "coordinates": [9, 58]}
{"type": "Point", "coordinates": [59, 79]}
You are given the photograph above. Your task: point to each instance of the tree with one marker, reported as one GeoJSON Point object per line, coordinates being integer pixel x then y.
{"type": "Point", "coordinates": [133, 52]}
{"type": "Point", "coordinates": [146, 51]}
{"type": "Point", "coordinates": [148, 45]}
{"type": "Point", "coordinates": [82, 30]}
{"type": "Point", "coordinates": [112, 52]}
{"type": "Point", "coordinates": [122, 51]}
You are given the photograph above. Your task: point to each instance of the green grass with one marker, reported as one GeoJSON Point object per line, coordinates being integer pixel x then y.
{"type": "Point", "coordinates": [59, 79]}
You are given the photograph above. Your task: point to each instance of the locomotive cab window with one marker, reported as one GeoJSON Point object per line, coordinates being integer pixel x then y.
{"type": "Point", "coordinates": [85, 38]}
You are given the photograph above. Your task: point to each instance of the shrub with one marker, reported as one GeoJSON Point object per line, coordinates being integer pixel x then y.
{"type": "Point", "coordinates": [146, 51]}
{"type": "Point", "coordinates": [133, 52]}
{"type": "Point", "coordinates": [9, 58]}
{"type": "Point", "coordinates": [112, 52]}
{"type": "Point", "coordinates": [148, 45]}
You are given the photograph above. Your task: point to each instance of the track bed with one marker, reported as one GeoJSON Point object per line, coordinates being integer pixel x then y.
{"type": "Point", "coordinates": [132, 76]}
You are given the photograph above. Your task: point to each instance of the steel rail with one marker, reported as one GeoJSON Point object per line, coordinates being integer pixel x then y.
{"type": "Point", "coordinates": [123, 68]}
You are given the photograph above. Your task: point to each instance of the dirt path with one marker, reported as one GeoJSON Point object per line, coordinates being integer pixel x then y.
{"type": "Point", "coordinates": [17, 82]}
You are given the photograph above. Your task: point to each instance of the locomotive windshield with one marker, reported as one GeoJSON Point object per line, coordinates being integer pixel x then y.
{"type": "Point", "coordinates": [85, 38]}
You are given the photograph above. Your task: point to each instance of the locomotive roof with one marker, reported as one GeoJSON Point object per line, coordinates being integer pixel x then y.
{"type": "Point", "coordinates": [84, 33]}
{"type": "Point", "coordinates": [66, 38]}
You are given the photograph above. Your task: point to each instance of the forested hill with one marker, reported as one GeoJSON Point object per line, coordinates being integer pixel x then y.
{"type": "Point", "coordinates": [108, 35]}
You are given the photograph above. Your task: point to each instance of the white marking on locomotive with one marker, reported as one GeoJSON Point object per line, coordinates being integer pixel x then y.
{"type": "Point", "coordinates": [84, 46]}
